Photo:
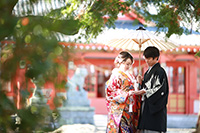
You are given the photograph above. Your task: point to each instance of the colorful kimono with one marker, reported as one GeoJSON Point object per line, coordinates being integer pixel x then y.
{"type": "Point", "coordinates": [120, 118]}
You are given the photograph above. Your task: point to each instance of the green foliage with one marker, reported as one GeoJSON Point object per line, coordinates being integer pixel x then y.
{"type": "Point", "coordinates": [95, 15]}
{"type": "Point", "coordinates": [197, 54]}
{"type": "Point", "coordinates": [168, 18]}
{"type": "Point", "coordinates": [35, 47]}
{"type": "Point", "coordinates": [33, 118]}
{"type": "Point", "coordinates": [7, 20]}
{"type": "Point", "coordinates": [29, 42]}
{"type": "Point", "coordinates": [6, 110]}
{"type": "Point", "coordinates": [172, 15]}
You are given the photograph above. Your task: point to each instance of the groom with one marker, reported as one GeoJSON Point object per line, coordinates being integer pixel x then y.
{"type": "Point", "coordinates": [153, 114]}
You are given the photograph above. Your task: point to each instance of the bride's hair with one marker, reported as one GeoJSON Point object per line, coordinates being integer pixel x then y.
{"type": "Point", "coordinates": [123, 56]}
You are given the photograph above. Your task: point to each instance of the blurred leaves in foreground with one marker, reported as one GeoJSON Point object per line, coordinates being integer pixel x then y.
{"type": "Point", "coordinates": [31, 54]}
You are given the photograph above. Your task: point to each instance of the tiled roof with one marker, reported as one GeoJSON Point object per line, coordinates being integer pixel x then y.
{"type": "Point", "coordinates": [42, 7]}
{"type": "Point", "coordinates": [186, 43]}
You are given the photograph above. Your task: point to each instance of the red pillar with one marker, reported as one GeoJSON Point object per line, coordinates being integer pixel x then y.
{"type": "Point", "coordinates": [191, 83]}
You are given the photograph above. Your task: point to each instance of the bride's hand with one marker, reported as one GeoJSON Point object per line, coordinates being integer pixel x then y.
{"type": "Point", "coordinates": [140, 92]}
{"type": "Point", "coordinates": [131, 93]}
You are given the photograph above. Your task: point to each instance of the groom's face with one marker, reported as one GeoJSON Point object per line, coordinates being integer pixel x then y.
{"type": "Point", "coordinates": [150, 61]}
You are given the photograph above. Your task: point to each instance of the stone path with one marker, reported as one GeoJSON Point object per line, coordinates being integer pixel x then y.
{"type": "Point", "coordinates": [180, 130]}
{"type": "Point", "coordinates": [181, 121]}
{"type": "Point", "coordinates": [99, 126]}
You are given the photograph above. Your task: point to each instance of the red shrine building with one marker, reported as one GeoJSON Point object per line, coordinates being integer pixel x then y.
{"type": "Point", "coordinates": [181, 65]}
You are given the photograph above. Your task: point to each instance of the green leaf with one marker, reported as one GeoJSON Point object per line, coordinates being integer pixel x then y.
{"type": "Point", "coordinates": [197, 54]}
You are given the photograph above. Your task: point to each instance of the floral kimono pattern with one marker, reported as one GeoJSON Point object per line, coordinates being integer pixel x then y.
{"type": "Point", "coordinates": [120, 118]}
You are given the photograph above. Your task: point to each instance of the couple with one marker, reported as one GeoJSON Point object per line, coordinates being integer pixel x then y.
{"type": "Point", "coordinates": [137, 106]}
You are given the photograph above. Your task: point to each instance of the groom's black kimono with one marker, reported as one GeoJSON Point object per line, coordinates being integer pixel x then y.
{"type": "Point", "coordinates": [153, 115]}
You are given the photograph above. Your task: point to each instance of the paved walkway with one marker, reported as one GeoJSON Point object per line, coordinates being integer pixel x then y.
{"type": "Point", "coordinates": [181, 121]}
{"type": "Point", "coordinates": [100, 122]}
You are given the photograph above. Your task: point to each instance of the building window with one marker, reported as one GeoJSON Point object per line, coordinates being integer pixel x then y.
{"type": "Point", "coordinates": [181, 80]}
{"type": "Point", "coordinates": [103, 76]}
{"type": "Point", "coordinates": [170, 78]}
{"type": "Point", "coordinates": [198, 80]}
{"type": "Point", "coordinates": [176, 77]}
{"type": "Point", "coordinates": [90, 80]}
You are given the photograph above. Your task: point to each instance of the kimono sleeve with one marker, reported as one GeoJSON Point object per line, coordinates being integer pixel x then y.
{"type": "Point", "coordinates": [114, 90]}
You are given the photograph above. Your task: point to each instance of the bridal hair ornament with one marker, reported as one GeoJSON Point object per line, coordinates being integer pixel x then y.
{"type": "Point", "coordinates": [119, 58]}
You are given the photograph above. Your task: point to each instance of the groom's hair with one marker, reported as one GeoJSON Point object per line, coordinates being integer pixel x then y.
{"type": "Point", "coordinates": [151, 51]}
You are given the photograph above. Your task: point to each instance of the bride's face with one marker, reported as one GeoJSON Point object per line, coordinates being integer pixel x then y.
{"type": "Point", "coordinates": [126, 65]}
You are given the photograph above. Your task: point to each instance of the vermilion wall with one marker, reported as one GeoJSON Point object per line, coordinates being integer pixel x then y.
{"type": "Point", "coordinates": [99, 104]}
